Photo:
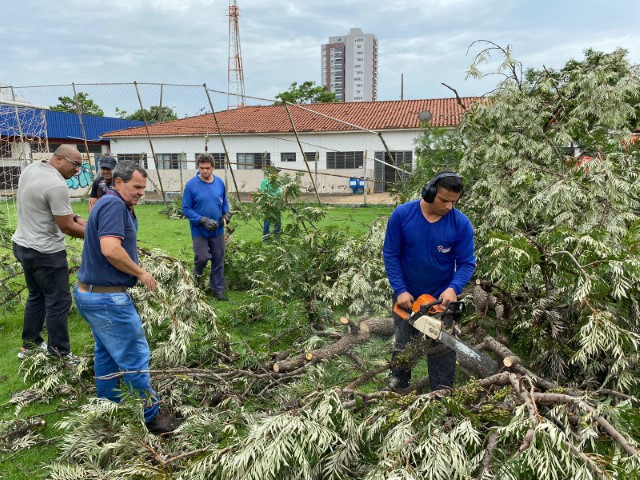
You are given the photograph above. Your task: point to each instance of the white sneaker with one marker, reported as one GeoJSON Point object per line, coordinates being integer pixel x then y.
{"type": "Point", "coordinates": [24, 351]}
{"type": "Point", "coordinates": [71, 359]}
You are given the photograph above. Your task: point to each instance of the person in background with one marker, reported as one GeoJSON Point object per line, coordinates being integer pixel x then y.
{"type": "Point", "coordinates": [205, 205]}
{"type": "Point", "coordinates": [103, 182]}
{"type": "Point", "coordinates": [110, 265]}
{"type": "Point", "coordinates": [271, 186]}
{"type": "Point", "coordinates": [44, 217]}
{"type": "Point", "coordinates": [428, 248]}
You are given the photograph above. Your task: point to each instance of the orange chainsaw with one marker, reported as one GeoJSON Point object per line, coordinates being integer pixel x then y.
{"type": "Point", "coordinates": [429, 317]}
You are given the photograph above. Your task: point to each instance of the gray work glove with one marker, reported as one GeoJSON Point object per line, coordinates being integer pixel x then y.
{"type": "Point", "coordinates": [227, 217]}
{"type": "Point", "coordinates": [209, 224]}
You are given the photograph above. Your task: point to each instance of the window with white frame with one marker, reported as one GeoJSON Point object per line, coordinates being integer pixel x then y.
{"type": "Point", "coordinates": [168, 161]}
{"type": "Point", "coordinates": [311, 156]}
{"type": "Point", "coordinates": [253, 161]}
{"type": "Point", "coordinates": [288, 156]}
{"type": "Point", "coordinates": [342, 160]}
{"type": "Point", "coordinates": [137, 158]}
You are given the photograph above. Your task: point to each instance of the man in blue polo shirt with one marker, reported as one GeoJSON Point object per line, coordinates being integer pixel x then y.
{"type": "Point", "coordinates": [428, 248]}
{"type": "Point", "coordinates": [109, 266]}
{"type": "Point", "coordinates": [206, 206]}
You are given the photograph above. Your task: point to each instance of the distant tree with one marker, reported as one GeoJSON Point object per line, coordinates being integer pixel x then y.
{"type": "Point", "coordinates": [308, 92]}
{"type": "Point", "coordinates": [155, 113]}
{"type": "Point", "coordinates": [70, 104]}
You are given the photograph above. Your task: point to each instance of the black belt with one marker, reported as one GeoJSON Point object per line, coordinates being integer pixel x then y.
{"type": "Point", "coordinates": [83, 287]}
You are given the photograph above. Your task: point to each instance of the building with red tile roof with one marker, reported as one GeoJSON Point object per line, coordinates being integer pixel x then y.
{"type": "Point", "coordinates": [342, 140]}
{"type": "Point", "coordinates": [317, 117]}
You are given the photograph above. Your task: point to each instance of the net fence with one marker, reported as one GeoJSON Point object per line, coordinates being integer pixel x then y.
{"type": "Point", "coordinates": [164, 127]}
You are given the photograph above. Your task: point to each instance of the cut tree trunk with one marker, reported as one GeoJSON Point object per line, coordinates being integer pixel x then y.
{"type": "Point", "coordinates": [375, 326]}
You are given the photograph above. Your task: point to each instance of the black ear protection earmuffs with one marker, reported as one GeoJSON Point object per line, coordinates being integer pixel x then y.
{"type": "Point", "coordinates": [430, 190]}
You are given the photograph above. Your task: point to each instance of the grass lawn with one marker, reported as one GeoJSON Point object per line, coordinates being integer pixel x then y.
{"type": "Point", "coordinates": [155, 231]}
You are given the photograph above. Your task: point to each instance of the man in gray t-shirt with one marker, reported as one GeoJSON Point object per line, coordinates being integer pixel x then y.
{"type": "Point", "coordinates": [44, 217]}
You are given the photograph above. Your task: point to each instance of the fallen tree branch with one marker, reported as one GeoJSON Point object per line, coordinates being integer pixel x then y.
{"type": "Point", "coordinates": [515, 363]}
{"type": "Point", "coordinates": [555, 398]}
{"type": "Point", "coordinates": [487, 458]}
{"type": "Point", "coordinates": [368, 376]}
{"type": "Point", "coordinates": [378, 326]}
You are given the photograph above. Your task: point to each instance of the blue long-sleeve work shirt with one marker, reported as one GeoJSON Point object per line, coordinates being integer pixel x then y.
{"type": "Point", "coordinates": [202, 199]}
{"type": "Point", "coordinates": [422, 257]}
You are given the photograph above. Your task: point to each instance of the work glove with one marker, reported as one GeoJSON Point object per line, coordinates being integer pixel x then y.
{"type": "Point", "coordinates": [227, 217]}
{"type": "Point", "coordinates": [209, 224]}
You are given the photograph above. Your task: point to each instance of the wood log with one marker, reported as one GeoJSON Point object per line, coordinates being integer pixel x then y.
{"type": "Point", "coordinates": [351, 326]}
{"type": "Point", "coordinates": [279, 356]}
{"type": "Point", "coordinates": [510, 361]}
{"type": "Point", "coordinates": [376, 326]}
{"type": "Point", "coordinates": [490, 343]}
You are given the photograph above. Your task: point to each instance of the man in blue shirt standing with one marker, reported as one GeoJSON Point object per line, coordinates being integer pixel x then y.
{"type": "Point", "coordinates": [109, 266]}
{"type": "Point", "coordinates": [428, 248]}
{"type": "Point", "coordinates": [206, 206]}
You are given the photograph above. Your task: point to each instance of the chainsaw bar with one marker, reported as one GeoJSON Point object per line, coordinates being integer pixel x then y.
{"type": "Point", "coordinates": [432, 328]}
{"type": "Point", "coordinates": [487, 364]}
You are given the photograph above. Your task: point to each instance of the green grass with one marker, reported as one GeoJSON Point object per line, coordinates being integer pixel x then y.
{"type": "Point", "coordinates": [155, 231]}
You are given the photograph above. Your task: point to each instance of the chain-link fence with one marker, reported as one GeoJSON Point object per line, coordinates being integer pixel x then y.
{"type": "Point", "coordinates": [342, 148]}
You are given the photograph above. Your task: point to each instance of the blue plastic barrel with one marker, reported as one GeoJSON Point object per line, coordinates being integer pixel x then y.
{"type": "Point", "coordinates": [353, 184]}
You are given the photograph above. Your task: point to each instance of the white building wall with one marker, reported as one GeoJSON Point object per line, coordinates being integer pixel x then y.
{"type": "Point", "coordinates": [248, 180]}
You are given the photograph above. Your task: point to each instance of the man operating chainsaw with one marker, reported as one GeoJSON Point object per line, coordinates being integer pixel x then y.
{"type": "Point", "coordinates": [428, 249]}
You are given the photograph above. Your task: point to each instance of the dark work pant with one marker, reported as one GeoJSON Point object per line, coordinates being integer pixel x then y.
{"type": "Point", "coordinates": [213, 249]}
{"type": "Point", "coordinates": [442, 365]}
{"type": "Point", "coordinates": [47, 278]}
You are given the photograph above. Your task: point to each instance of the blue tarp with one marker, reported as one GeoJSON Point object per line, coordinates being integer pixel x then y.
{"type": "Point", "coordinates": [59, 125]}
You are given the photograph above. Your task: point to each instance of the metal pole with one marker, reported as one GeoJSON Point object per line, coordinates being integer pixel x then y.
{"type": "Point", "coordinates": [315, 165]}
{"type": "Point", "coordinates": [224, 146]}
{"type": "Point", "coordinates": [364, 176]}
{"type": "Point", "coordinates": [22, 144]}
{"type": "Point", "coordinates": [84, 135]}
{"type": "Point", "coordinates": [182, 157]}
{"type": "Point", "coordinates": [295, 132]}
{"type": "Point", "coordinates": [153, 153]}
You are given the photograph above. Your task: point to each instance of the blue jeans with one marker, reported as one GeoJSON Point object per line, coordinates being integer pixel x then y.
{"type": "Point", "coordinates": [121, 346]}
{"type": "Point", "coordinates": [266, 228]}
{"type": "Point", "coordinates": [213, 249]}
{"type": "Point", "coordinates": [47, 278]}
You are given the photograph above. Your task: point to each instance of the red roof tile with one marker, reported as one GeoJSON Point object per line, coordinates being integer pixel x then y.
{"type": "Point", "coordinates": [387, 115]}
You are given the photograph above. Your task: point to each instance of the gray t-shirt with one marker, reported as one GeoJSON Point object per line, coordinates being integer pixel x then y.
{"type": "Point", "coordinates": [42, 193]}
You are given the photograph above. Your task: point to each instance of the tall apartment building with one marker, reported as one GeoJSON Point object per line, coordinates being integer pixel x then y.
{"type": "Point", "coordinates": [350, 66]}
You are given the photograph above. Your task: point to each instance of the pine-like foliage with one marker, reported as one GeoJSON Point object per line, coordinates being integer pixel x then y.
{"type": "Point", "coordinates": [306, 270]}
{"type": "Point", "coordinates": [11, 279]}
{"type": "Point", "coordinates": [553, 184]}
{"type": "Point", "coordinates": [175, 311]}
{"type": "Point", "coordinates": [361, 283]}
{"type": "Point", "coordinates": [557, 244]}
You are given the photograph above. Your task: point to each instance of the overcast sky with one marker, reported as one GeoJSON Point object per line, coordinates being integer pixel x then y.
{"type": "Point", "coordinates": [186, 41]}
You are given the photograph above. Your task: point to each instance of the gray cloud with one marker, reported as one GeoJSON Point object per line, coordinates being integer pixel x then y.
{"type": "Point", "coordinates": [185, 41]}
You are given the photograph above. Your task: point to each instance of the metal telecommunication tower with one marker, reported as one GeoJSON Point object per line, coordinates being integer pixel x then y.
{"type": "Point", "coordinates": [235, 95]}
